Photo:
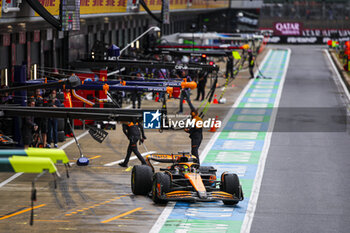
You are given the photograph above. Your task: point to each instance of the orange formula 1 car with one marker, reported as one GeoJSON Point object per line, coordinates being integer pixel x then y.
{"type": "Point", "coordinates": [184, 180]}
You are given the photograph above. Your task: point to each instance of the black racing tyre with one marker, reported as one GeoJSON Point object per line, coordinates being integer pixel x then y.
{"type": "Point", "coordinates": [61, 137]}
{"type": "Point", "coordinates": [230, 184]}
{"type": "Point", "coordinates": [141, 179]}
{"type": "Point", "coordinates": [161, 185]}
{"type": "Point", "coordinates": [206, 170]}
{"type": "Point", "coordinates": [60, 124]}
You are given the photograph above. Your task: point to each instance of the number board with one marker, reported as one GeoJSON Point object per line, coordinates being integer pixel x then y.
{"type": "Point", "coordinates": [70, 15]}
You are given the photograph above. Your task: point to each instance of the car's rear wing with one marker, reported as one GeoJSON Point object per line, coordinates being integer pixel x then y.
{"type": "Point", "coordinates": [168, 158]}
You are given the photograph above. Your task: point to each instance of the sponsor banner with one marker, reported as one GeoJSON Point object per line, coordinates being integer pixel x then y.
{"type": "Point", "coordinates": [52, 6]}
{"type": "Point", "coordinates": [308, 36]}
{"type": "Point", "coordinates": [6, 39]}
{"type": "Point", "coordinates": [287, 28]}
{"type": "Point", "coordinates": [326, 32]}
{"type": "Point", "coordinates": [88, 6]}
{"type": "Point", "coordinates": [315, 32]}
{"type": "Point", "coordinates": [302, 39]}
{"type": "Point", "coordinates": [156, 5]}
{"type": "Point", "coordinates": [208, 4]}
{"type": "Point", "coordinates": [36, 37]}
{"type": "Point", "coordinates": [120, 6]}
{"type": "Point", "coordinates": [21, 37]}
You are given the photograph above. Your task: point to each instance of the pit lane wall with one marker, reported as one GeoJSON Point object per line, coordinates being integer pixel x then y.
{"type": "Point", "coordinates": [241, 147]}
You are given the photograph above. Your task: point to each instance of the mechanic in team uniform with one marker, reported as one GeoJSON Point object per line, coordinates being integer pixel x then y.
{"type": "Point", "coordinates": [67, 103]}
{"type": "Point", "coordinates": [134, 131]}
{"type": "Point", "coordinates": [52, 133]}
{"type": "Point", "coordinates": [6, 98]}
{"type": "Point", "coordinates": [137, 95]}
{"type": "Point", "coordinates": [28, 126]}
{"type": "Point", "coordinates": [251, 61]}
{"type": "Point", "coordinates": [202, 81]}
{"type": "Point", "coordinates": [42, 122]}
{"type": "Point", "coordinates": [185, 91]}
{"type": "Point", "coordinates": [196, 135]}
{"type": "Point", "coordinates": [229, 67]}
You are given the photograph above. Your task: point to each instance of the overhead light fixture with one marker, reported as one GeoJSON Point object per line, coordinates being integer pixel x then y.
{"type": "Point", "coordinates": [156, 29]}
{"type": "Point", "coordinates": [6, 78]}
{"type": "Point", "coordinates": [35, 71]}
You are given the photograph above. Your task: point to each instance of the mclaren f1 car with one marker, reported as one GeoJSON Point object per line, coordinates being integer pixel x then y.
{"type": "Point", "coordinates": [184, 180]}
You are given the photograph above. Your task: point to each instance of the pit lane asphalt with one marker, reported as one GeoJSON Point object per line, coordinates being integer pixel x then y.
{"type": "Point", "coordinates": [305, 187]}
{"type": "Point", "coordinates": [98, 198]}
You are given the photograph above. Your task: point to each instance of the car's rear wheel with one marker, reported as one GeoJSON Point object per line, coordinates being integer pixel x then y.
{"type": "Point", "coordinates": [161, 185]}
{"type": "Point", "coordinates": [141, 179]}
{"type": "Point", "coordinates": [230, 184]}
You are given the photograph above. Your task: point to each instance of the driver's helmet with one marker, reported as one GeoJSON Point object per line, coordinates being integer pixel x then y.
{"type": "Point", "coordinates": [182, 159]}
{"type": "Point", "coordinates": [185, 169]}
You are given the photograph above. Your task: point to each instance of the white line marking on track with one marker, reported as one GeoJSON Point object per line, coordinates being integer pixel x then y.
{"type": "Point", "coordinates": [132, 158]}
{"type": "Point", "coordinates": [10, 179]}
{"type": "Point", "coordinates": [248, 219]}
{"type": "Point", "coordinates": [64, 146]}
{"type": "Point", "coordinates": [163, 217]}
{"type": "Point", "coordinates": [345, 89]}
{"type": "Point", "coordinates": [166, 212]}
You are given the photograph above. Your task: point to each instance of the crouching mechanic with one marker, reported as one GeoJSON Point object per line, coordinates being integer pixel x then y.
{"type": "Point", "coordinates": [134, 131]}
{"type": "Point", "coordinates": [196, 134]}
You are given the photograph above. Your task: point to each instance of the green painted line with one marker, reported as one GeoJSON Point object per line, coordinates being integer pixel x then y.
{"type": "Point", "coordinates": [247, 186]}
{"type": "Point", "coordinates": [260, 95]}
{"type": "Point", "coordinates": [265, 86]}
{"type": "Point", "coordinates": [255, 105]}
{"type": "Point", "coordinates": [244, 157]}
{"type": "Point", "coordinates": [200, 226]}
{"type": "Point", "coordinates": [242, 135]}
{"type": "Point", "coordinates": [250, 118]}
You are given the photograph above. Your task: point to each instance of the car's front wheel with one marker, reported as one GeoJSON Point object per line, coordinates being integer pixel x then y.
{"type": "Point", "coordinates": [161, 185]}
{"type": "Point", "coordinates": [141, 179]}
{"type": "Point", "coordinates": [230, 184]}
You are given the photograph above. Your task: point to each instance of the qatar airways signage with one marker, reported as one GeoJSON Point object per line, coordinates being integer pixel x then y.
{"type": "Point", "coordinates": [287, 29]}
